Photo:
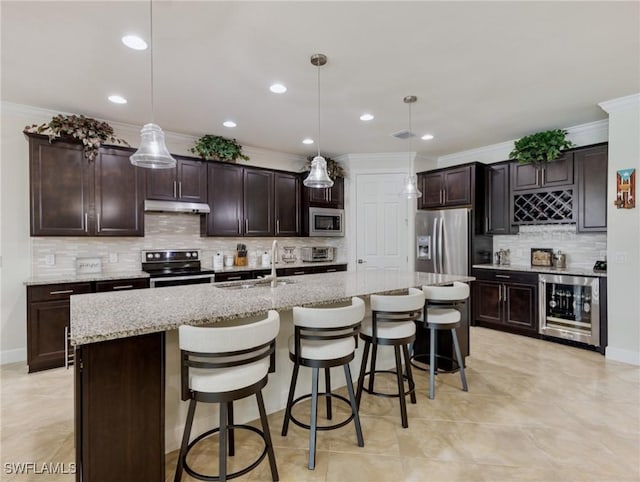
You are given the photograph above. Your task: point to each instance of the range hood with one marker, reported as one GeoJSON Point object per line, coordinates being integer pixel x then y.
{"type": "Point", "coordinates": [176, 207]}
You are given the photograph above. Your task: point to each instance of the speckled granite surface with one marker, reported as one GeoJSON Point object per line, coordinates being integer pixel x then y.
{"type": "Point", "coordinates": [542, 269]}
{"type": "Point", "coordinates": [75, 278]}
{"type": "Point", "coordinates": [105, 316]}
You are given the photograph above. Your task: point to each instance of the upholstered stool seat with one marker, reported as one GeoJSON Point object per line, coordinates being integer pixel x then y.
{"type": "Point", "coordinates": [441, 314]}
{"type": "Point", "coordinates": [324, 338]}
{"type": "Point", "coordinates": [221, 365]}
{"type": "Point", "coordinates": [392, 323]}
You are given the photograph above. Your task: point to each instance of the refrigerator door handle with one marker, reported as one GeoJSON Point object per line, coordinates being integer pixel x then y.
{"type": "Point", "coordinates": [435, 245]}
{"type": "Point", "coordinates": [440, 246]}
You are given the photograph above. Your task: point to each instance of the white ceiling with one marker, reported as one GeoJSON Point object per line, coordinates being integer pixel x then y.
{"type": "Point", "coordinates": [484, 72]}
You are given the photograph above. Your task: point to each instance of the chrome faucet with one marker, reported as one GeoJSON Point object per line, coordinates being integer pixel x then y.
{"type": "Point", "coordinates": [274, 252]}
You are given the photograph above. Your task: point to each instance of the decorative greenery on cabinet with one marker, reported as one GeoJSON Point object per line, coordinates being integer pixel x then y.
{"type": "Point", "coordinates": [218, 148]}
{"type": "Point", "coordinates": [541, 147]}
{"type": "Point", "coordinates": [91, 132]}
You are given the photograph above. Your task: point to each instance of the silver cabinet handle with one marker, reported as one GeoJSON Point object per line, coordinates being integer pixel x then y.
{"type": "Point", "coordinates": [234, 278]}
{"type": "Point", "coordinates": [174, 189]}
{"type": "Point", "coordinates": [180, 189]}
{"type": "Point", "coordinates": [277, 226]}
{"type": "Point", "coordinates": [123, 287]}
{"type": "Point", "coordinates": [86, 223]}
{"type": "Point", "coordinates": [66, 347]}
{"type": "Point", "coordinates": [505, 293]}
{"type": "Point", "coordinates": [499, 293]}
{"type": "Point", "coordinates": [361, 261]}
{"type": "Point", "coordinates": [98, 222]}
{"type": "Point", "coordinates": [332, 270]}
{"type": "Point", "coordinates": [503, 276]}
{"type": "Point", "coordinates": [239, 227]}
{"type": "Point", "coordinates": [298, 272]}
{"type": "Point", "coordinates": [486, 224]}
{"type": "Point", "coordinates": [60, 292]}
{"type": "Point", "coordinates": [246, 225]}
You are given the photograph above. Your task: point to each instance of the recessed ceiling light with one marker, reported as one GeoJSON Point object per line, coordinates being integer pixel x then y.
{"type": "Point", "coordinates": [427, 137]}
{"type": "Point", "coordinates": [307, 141]}
{"type": "Point", "coordinates": [229, 123]}
{"type": "Point", "coordinates": [134, 42]}
{"type": "Point", "coordinates": [366, 117]}
{"type": "Point", "coordinates": [278, 89]}
{"type": "Point", "coordinates": [117, 99]}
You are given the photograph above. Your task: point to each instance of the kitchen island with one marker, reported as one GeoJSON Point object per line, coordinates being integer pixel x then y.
{"type": "Point", "coordinates": [127, 372]}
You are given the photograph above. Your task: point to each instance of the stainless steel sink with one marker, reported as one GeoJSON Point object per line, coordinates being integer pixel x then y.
{"type": "Point", "coordinates": [248, 284]}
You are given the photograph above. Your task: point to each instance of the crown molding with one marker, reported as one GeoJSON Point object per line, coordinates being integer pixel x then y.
{"type": "Point", "coordinates": [377, 156]}
{"type": "Point", "coordinates": [621, 103]}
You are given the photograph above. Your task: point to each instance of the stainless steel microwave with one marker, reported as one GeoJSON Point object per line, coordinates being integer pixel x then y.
{"type": "Point", "coordinates": [326, 222]}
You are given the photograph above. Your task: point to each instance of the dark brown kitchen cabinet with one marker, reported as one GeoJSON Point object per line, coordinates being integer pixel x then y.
{"type": "Point", "coordinates": [506, 300]}
{"type": "Point", "coordinates": [546, 175]}
{"type": "Point", "coordinates": [48, 323]}
{"type": "Point", "coordinates": [591, 166]}
{"type": "Point", "coordinates": [186, 182]}
{"type": "Point", "coordinates": [241, 201]}
{"type": "Point", "coordinates": [287, 204]}
{"type": "Point", "coordinates": [122, 284]}
{"type": "Point", "coordinates": [332, 197]}
{"type": "Point", "coordinates": [498, 217]}
{"type": "Point", "coordinates": [72, 196]}
{"type": "Point", "coordinates": [445, 188]}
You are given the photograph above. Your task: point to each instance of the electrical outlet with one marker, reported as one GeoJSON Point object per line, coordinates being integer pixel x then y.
{"type": "Point", "coordinates": [621, 257]}
{"type": "Point", "coordinates": [113, 257]}
{"type": "Point", "coordinates": [50, 259]}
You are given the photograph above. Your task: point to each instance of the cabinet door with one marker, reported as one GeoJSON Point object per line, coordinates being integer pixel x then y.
{"type": "Point", "coordinates": [162, 184]}
{"type": "Point", "coordinates": [122, 284]}
{"type": "Point", "coordinates": [336, 193]}
{"type": "Point", "coordinates": [60, 179]}
{"type": "Point", "coordinates": [258, 203]}
{"type": "Point", "coordinates": [487, 302]}
{"type": "Point", "coordinates": [119, 195]}
{"type": "Point", "coordinates": [457, 186]}
{"type": "Point", "coordinates": [192, 180]}
{"type": "Point", "coordinates": [431, 187]}
{"type": "Point", "coordinates": [46, 324]}
{"type": "Point", "coordinates": [498, 218]}
{"type": "Point", "coordinates": [591, 165]}
{"type": "Point", "coordinates": [558, 172]}
{"type": "Point", "coordinates": [520, 306]}
{"type": "Point", "coordinates": [287, 204]}
{"type": "Point", "coordinates": [318, 197]}
{"type": "Point", "coordinates": [524, 176]}
{"type": "Point", "coordinates": [225, 199]}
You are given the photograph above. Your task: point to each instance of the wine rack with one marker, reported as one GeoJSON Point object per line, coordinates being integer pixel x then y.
{"type": "Point", "coordinates": [548, 207]}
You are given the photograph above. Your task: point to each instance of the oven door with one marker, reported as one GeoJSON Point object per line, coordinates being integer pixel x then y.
{"type": "Point", "coordinates": [570, 308]}
{"type": "Point", "coordinates": [181, 280]}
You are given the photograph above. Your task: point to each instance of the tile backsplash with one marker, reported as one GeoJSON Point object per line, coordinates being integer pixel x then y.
{"type": "Point", "coordinates": [582, 250]}
{"type": "Point", "coordinates": [162, 231]}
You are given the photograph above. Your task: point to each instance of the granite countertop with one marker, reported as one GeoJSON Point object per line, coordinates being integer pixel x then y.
{"type": "Point", "coordinates": [542, 269]}
{"type": "Point", "coordinates": [79, 278]}
{"type": "Point", "coordinates": [106, 316]}
{"type": "Point", "coordinates": [280, 264]}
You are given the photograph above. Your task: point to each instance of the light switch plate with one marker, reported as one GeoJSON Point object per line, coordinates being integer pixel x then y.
{"type": "Point", "coordinates": [50, 259]}
{"type": "Point", "coordinates": [113, 257]}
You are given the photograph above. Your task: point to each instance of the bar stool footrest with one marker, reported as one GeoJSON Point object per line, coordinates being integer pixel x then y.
{"type": "Point", "coordinates": [418, 357]}
{"type": "Point", "coordinates": [380, 394]}
{"type": "Point", "coordinates": [323, 427]}
{"type": "Point", "coordinates": [231, 475]}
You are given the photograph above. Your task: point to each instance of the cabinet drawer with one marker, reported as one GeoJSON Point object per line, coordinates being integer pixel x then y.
{"type": "Point", "coordinates": [330, 269]}
{"type": "Point", "coordinates": [122, 284]}
{"type": "Point", "coordinates": [505, 276]}
{"type": "Point", "coordinates": [240, 275]}
{"type": "Point", "coordinates": [296, 271]}
{"type": "Point", "coordinates": [57, 291]}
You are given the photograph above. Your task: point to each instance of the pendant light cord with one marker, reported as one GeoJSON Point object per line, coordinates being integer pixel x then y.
{"type": "Point", "coordinates": [410, 133]}
{"type": "Point", "coordinates": [318, 109]}
{"type": "Point", "coordinates": [153, 120]}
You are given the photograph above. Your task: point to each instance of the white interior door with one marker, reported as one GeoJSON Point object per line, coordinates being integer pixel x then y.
{"type": "Point", "coordinates": [381, 222]}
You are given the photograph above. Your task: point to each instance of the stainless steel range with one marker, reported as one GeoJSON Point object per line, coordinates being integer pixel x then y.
{"type": "Point", "coordinates": [174, 267]}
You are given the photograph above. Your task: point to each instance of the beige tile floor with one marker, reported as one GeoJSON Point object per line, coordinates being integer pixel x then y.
{"type": "Point", "coordinates": [536, 411]}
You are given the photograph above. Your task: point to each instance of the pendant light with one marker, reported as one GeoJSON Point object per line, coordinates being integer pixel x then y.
{"type": "Point", "coordinates": [318, 177]}
{"type": "Point", "coordinates": [410, 189]}
{"type": "Point", "coordinates": [152, 153]}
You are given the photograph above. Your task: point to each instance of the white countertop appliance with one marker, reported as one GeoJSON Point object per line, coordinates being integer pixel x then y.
{"type": "Point", "coordinates": [317, 253]}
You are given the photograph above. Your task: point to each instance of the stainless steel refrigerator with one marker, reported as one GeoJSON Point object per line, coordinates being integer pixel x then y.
{"type": "Point", "coordinates": [443, 241]}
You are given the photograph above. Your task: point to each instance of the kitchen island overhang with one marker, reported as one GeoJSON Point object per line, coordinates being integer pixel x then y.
{"type": "Point", "coordinates": [128, 408]}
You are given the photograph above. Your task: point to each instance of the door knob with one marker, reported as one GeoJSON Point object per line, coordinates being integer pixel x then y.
{"type": "Point", "coordinates": [361, 261]}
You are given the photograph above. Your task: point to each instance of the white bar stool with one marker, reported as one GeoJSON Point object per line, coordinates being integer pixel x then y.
{"type": "Point", "coordinates": [441, 314]}
{"type": "Point", "coordinates": [220, 365]}
{"type": "Point", "coordinates": [392, 323]}
{"type": "Point", "coordinates": [324, 338]}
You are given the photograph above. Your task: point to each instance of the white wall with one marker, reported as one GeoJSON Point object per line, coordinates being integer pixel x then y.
{"type": "Point", "coordinates": [623, 235]}
{"type": "Point", "coordinates": [15, 242]}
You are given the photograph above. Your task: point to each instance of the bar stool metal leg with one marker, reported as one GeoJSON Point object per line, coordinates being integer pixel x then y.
{"type": "Point", "coordinates": [185, 440]}
{"type": "Point", "coordinates": [222, 451]}
{"type": "Point", "coordinates": [432, 363]}
{"type": "Point", "coordinates": [327, 384]}
{"type": "Point", "coordinates": [372, 369]}
{"type": "Point", "coordinates": [456, 346]}
{"type": "Point", "coordinates": [363, 369]}
{"type": "Point", "coordinates": [292, 389]}
{"type": "Point", "coordinates": [354, 405]}
{"type": "Point", "coordinates": [232, 443]}
{"type": "Point", "coordinates": [265, 428]}
{"type": "Point", "coordinates": [403, 402]}
{"type": "Point", "coordinates": [407, 363]}
{"type": "Point", "coordinates": [314, 419]}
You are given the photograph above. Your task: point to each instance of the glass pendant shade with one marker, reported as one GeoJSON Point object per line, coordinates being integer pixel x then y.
{"type": "Point", "coordinates": [152, 153]}
{"type": "Point", "coordinates": [318, 176]}
{"type": "Point", "coordinates": [410, 189]}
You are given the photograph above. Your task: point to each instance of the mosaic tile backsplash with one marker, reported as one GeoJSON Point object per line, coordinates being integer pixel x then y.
{"type": "Point", "coordinates": [582, 250]}
{"type": "Point", "coordinates": [162, 231]}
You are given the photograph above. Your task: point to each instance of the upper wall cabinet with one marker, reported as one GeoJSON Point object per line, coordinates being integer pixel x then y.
{"type": "Point", "coordinates": [591, 165]}
{"type": "Point", "coordinates": [71, 196]}
{"type": "Point", "coordinates": [332, 197]}
{"type": "Point", "coordinates": [186, 182]}
{"type": "Point", "coordinates": [445, 188]}
{"type": "Point", "coordinates": [551, 174]}
{"type": "Point", "coordinates": [287, 204]}
{"type": "Point", "coordinates": [498, 218]}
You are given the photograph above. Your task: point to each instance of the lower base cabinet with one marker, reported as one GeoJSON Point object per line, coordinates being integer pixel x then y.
{"type": "Point", "coordinates": [506, 301]}
{"type": "Point", "coordinates": [258, 273]}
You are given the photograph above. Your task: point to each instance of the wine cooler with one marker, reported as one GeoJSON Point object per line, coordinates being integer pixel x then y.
{"type": "Point", "coordinates": [570, 308]}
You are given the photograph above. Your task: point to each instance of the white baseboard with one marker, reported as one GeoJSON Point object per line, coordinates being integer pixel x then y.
{"type": "Point", "coordinates": [13, 356]}
{"type": "Point", "coordinates": [621, 355]}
